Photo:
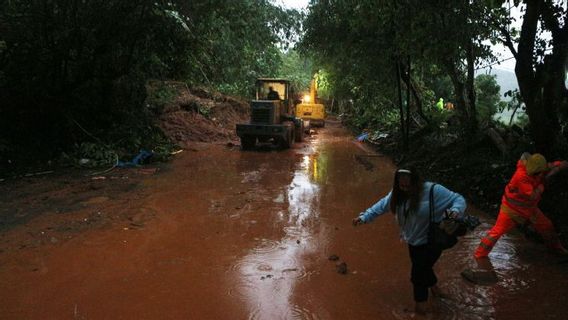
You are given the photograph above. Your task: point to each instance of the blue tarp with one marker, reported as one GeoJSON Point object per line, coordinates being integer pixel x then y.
{"type": "Point", "coordinates": [136, 161]}
{"type": "Point", "coordinates": [363, 136]}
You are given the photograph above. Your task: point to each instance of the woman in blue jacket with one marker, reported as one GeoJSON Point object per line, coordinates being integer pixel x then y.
{"type": "Point", "coordinates": [409, 201]}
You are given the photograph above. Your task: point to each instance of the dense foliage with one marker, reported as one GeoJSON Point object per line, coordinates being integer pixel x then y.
{"type": "Point", "coordinates": [410, 40]}
{"type": "Point", "coordinates": [488, 97]}
{"type": "Point", "coordinates": [540, 48]}
{"type": "Point", "coordinates": [74, 71]}
{"type": "Point", "coordinates": [297, 69]}
{"type": "Point", "coordinates": [402, 56]}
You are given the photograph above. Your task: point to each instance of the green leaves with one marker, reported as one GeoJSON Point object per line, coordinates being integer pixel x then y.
{"type": "Point", "coordinates": [297, 69]}
{"type": "Point", "coordinates": [488, 96]}
{"type": "Point", "coordinates": [361, 43]}
{"type": "Point", "coordinates": [90, 60]}
{"type": "Point", "coordinates": [91, 155]}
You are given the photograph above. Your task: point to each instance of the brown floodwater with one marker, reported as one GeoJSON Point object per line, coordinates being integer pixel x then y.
{"type": "Point", "coordinates": [228, 234]}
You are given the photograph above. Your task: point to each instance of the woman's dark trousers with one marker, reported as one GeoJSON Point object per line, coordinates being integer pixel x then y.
{"type": "Point", "coordinates": [422, 275]}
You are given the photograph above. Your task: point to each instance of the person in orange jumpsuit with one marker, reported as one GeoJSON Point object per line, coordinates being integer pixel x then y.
{"type": "Point", "coordinates": [519, 204]}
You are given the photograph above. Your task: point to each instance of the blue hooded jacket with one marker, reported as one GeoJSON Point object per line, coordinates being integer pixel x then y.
{"type": "Point", "coordinates": [414, 227]}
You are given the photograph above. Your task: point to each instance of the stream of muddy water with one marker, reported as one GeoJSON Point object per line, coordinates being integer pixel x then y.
{"type": "Point", "coordinates": [228, 234]}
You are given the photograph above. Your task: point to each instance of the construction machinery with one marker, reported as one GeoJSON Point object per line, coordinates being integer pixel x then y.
{"type": "Point", "coordinates": [309, 110]}
{"type": "Point", "coordinates": [271, 121]}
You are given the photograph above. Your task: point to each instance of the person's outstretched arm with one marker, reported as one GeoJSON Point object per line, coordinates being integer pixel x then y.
{"type": "Point", "coordinates": [374, 211]}
{"type": "Point", "coordinates": [556, 167]}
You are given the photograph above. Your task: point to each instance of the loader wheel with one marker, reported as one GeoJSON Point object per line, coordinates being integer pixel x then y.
{"type": "Point", "coordinates": [287, 141]}
{"type": "Point", "coordinates": [247, 142]}
{"type": "Point", "coordinates": [292, 135]}
{"type": "Point", "coordinates": [307, 126]}
{"type": "Point", "coordinates": [299, 132]}
{"type": "Point", "coordinates": [284, 142]}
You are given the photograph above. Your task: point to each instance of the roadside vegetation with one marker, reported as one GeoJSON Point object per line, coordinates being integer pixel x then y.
{"type": "Point", "coordinates": [389, 63]}
{"type": "Point", "coordinates": [74, 74]}
{"type": "Point", "coordinates": [89, 83]}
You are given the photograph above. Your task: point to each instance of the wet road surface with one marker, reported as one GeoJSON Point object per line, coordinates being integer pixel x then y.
{"type": "Point", "coordinates": [228, 234]}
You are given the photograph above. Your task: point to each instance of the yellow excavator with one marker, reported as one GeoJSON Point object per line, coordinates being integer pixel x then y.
{"type": "Point", "coordinates": [309, 110]}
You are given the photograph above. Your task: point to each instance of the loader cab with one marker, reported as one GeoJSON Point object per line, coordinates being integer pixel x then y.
{"type": "Point", "coordinates": [271, 121]}
{"type": "Point", "coordinates": [282, 87]}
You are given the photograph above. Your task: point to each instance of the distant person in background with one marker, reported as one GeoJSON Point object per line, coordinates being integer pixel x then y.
{"type": "Point", "coordinates": [440, 104]}
{"type": "Point", "coordinates": [272, 94]}
{"type": "Point", "coordinates": [519, 204]}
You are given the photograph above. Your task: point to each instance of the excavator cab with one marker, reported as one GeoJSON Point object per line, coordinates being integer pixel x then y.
{"type": "Point", "coordinates": [309, 110]}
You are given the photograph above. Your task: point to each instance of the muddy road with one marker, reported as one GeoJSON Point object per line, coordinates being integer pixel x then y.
{"type": "Point", "coordinates": [225, 234]}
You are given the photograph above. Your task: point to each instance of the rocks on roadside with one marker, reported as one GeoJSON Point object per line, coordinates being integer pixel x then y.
{"type": "Point", "coordinates": [333, 257]}
{"type": "Point", "coordinates": [341, 267]}
{"type": "Point", "coordinates": [480, 277]}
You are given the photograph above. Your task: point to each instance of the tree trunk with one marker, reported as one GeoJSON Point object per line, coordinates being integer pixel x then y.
{"type": "Point", "coordinates": [407, 79]}
{"type": "Point", "coordinates": [407, 132]}
{"type": "Point", "coordinates": [542, 87]}
{"type": "Point", "coordinates": [498, 141]}
{"type": "Point", "coordinates": [462, 89]}
{"type": "Point", "coordinates": [471, 108]}
{"type": "Point", "coordinates": [400, 108]}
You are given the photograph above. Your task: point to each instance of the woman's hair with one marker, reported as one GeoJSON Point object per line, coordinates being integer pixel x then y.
{"type": "Point", "coordinates": [398, 197]}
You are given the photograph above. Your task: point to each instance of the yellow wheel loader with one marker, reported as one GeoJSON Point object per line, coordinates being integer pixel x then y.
{"type": "Point", "coordinates": [272, 116]}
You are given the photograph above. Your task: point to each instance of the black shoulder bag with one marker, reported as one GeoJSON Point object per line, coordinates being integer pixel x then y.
{"type": "Point", "coordinates": [438, 238]}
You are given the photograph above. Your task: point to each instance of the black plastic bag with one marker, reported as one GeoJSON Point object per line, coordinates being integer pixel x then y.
{"type": "Point", "coordinates": [439, 239]}
{"type": "Point", "coordinates": [443, 235]}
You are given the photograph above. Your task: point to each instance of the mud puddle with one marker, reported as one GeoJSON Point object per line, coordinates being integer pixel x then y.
{"type": "Point", "coordinates": [226, 234]}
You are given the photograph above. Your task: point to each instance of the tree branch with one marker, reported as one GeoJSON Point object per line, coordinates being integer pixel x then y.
{"type": "Point", "coordinates": [550, 21]}
{"type": "Point", "coordinates": [508, 41]}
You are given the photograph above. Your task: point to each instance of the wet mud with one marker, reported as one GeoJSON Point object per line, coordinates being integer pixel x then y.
{"type": "Point", "coordinates": [265, 234]}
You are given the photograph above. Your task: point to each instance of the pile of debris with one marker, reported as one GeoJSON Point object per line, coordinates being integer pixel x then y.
{"type": "Point", "coordinates": [198, 114]}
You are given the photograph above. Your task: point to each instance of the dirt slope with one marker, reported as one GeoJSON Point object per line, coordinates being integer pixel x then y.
{"type": "Point", "coordinates": [201, 115]}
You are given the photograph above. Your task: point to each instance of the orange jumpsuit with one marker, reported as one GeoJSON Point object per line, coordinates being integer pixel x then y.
{"type": "Point", "coordinates": [517, 208]}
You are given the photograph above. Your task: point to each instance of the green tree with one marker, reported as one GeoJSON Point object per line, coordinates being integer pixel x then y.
{"type": "Point", "coordinates": [297, 69]}
{"type": "Point", "coordinates": [408, 40]}
{"type": "Point", "coordinates": [74, 71]}
{"type": "Point", "coordinates": [238, 41]}
{"type": "Point", "coordinates": [488, 96]}
{"type": "Point", "coordinates": [540, 65]}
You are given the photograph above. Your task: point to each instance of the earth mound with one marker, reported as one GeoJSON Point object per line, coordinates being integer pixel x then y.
{"type": "Point", "coordinates": [197, 114]}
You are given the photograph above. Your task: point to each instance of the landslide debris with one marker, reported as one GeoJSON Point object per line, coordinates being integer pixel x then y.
{"type": "Point", "coordinates": [196, 114]}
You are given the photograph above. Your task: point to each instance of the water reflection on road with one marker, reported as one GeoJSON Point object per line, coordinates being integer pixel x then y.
{"type": "Point", "coordinates": [271, 270]}
{"type": "Point", "coordinates": [227, 234]}
{"type": "Point", "coordinates": [287, 275]}
{"type": "Point", "coordinates": [522, 271]}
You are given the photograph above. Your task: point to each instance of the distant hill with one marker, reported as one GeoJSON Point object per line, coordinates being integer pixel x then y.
{"type": "Point", "coordinates": [507, 80]}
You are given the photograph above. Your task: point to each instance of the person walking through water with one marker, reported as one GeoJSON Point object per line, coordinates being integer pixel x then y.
{"type": "Point", "coordinates": [409, 201]}
{"type": "Point", "coordinates": [519, 204]}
